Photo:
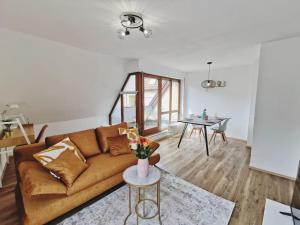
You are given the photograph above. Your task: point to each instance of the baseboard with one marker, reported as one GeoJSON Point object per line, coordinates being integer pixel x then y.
{"type": "Point", "coordinates": [237, 139]}
{"type": "Point", "coordinates": [272, 173]}
{"type": "Point", "coordinates": [164, 135]}
{"type": "Point", "coordinates": [159, 136]}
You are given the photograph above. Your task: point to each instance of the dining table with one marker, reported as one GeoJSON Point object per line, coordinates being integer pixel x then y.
{"type": "Point", "coordinates": [195, 120]}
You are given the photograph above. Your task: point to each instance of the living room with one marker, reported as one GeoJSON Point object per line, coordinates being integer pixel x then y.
{"type": "Point", "coordinates": [177, 112]}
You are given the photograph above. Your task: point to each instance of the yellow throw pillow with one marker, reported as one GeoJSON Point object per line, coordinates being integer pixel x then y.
{"type": "Point", "coordinates": [67, 166]}
{"type": "Point", "coordinates": [46, 156]}
{"type": "Point", "coordinates": [132, 133]}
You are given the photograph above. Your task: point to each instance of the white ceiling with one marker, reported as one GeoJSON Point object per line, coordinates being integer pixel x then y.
{"type": "Point", "coordinates": [186, 33]}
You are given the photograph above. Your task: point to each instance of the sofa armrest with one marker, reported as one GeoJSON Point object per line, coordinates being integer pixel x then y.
{"type": "Point", "coordinates": [25, 152]}
{"type": "Point", "coordinates": [153, 144]}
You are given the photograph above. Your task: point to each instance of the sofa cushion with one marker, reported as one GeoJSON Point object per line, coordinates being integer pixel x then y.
{"type": "Point", "coordinates": [104, 166]}
{"type": "Point", "coordinates": [37, 181]}
{"type": "Point", "coordinates": [118, 145]}
{"type": "Point", "coordinates": [44, 209]}
{"type": "Point", "coordinates": [104, 132]}
{"type": "Point", "coordinates": [85, 140]}
{"type": "Point", "coordinates": [101, 167]}
{"type": "Point", "coordinates": [67, 167]}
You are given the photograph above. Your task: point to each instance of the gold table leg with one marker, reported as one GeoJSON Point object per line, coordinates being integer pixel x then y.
{"type": "Point", "coordinates": [139, 199]}
{"type": "Point", "coordinates": [130, 212]}
{"type": "Point", "coordinates": [143, 199]}
{"type": "Point", "coordinates": [158, 202]}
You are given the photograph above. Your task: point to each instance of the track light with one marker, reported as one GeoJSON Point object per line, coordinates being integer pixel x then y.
{"type": "Point", "coordinates": [128, 22]}
{"type": "Point", "coordinates": [123, 33]}
{"type": "Point", "coordinates": [147, 33]}
{"type": "Point", "coordinates": [133, 21]}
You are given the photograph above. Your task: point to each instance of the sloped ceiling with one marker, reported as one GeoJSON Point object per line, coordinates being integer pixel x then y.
{"type": "Point", "coordinates": [55, 82]}
{"type": "Point", "coordinates": [185, 33]}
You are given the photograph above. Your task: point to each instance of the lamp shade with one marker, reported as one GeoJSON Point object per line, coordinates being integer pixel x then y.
{"type": "Point", "coordinates": [208, 84]}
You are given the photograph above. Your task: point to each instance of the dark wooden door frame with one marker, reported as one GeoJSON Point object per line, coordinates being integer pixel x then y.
{"type": "Point", "coordinates": [140, 106]}
{"type": "Point", "coordinates": [139, 76]}
{"type": "Point", "coordinates": [142, 109]}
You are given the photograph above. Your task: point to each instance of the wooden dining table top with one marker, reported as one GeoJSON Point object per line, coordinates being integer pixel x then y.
{"type": "Point", "coordinates": [17, 137]}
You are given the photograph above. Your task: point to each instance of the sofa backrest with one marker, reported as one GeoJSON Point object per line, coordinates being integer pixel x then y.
{"type": "Point", "coordinates": [85, 140]}
{"type": "Point", "coordinates": [90, 142]}
{"type": "Point", "coordinates": [110, 131]}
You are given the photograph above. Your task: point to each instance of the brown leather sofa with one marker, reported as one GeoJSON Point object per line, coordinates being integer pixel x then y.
{"type": "Point", "coordinates": [52, 199]}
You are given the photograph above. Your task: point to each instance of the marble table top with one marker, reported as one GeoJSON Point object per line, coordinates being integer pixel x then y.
{"type": "Point", "coordinates": [130, 176]}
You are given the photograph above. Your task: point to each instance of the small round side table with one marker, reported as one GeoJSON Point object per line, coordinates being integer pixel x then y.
{"type": "Point", "coordinates": [130, 176]}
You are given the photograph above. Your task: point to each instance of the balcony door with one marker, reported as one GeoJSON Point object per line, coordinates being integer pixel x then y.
{"type": "Point", "coordinates": [161, 103]}
{"type": "Point", "coordinates": [151, 104]}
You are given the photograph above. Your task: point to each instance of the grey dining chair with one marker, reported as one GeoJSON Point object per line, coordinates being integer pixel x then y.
{"type": "Point", "coordinates": [220, 130]}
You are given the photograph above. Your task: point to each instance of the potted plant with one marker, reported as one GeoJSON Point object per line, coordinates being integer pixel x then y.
{"type": "Point", "coordinates": [142, 151]}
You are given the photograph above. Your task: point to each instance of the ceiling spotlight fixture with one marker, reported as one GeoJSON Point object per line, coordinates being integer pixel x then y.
{"type": "Point", "coordinates": [130, 21]}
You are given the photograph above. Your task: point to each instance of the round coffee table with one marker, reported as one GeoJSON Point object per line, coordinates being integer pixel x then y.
{"type": "Point", "coordinates": [131, 178]}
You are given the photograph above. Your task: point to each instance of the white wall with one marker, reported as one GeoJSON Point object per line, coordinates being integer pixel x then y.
{"type": "Point", "coordinates": [252, 103]}
{"type": "Point", "coordinates": [66, 87]}
{"type": "Point", "coordinates": [276, 144]}
{"type": "Point", "coordinates": [69, 126]}
{"type": "Point", "coordinates": [233, 101]}
{"type": "Point", "coordinates": [158, 69]}
{"type": "Point", "coordinates": [55, 82]}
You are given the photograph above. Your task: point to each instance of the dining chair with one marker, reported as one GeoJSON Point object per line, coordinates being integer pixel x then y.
{"type": "Point", "coordinates": [41, 134]}
{"type": "Point", "coordinates": [198, 128]}
{"type": "Point", "coordinates": [220, 130]}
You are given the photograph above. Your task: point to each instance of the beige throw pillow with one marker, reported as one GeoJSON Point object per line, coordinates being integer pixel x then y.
{"type": "Point", "coordinates": [46, 156]}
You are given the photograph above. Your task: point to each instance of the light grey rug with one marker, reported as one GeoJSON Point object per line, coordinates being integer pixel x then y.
{"type": "Point", "coordinates": [181, 204]}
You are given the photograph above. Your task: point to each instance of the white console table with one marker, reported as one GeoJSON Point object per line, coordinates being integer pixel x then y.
{"type": "Point", "coordinates": [272, 215]}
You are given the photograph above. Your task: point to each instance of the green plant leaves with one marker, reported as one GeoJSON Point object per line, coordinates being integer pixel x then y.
{"type": "Point", "coordinates": [143, 152]}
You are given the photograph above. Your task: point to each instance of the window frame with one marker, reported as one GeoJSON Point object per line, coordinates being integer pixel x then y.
{"type": "Point", "coordinates": [139, 85]}
{"type": "Point", "coordinates": [160, 113]}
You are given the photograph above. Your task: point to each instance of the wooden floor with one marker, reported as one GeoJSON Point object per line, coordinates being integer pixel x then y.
{"type": "Point", "coordinates": [224, 173]}
{"type": "Point", "coordinates": [8, 209]}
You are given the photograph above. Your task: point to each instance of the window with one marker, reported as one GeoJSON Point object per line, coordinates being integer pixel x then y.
{"type": "Point", "coordinates": [125, 108]}
{"type": "Point", "coordinates": [161, 102]}
{"type": "Point", "coordinates": [129, 101]}
{"type": "Point", "coordinates": [149, 102]}
{"type": "Point", "coordinates": [170, 102]}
